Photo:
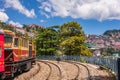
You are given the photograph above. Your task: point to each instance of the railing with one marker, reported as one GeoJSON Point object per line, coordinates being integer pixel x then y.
{"type": "Point", "coordinates": [109, 63]}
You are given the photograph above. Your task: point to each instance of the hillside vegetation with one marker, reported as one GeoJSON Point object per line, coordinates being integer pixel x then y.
{"type": "Point", "coordinates": [111, 33]}
{"type": "Point", "coordinates": [66, 39]}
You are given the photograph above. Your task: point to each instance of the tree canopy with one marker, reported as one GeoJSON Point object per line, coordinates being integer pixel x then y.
{"type": "Point", "coordinates": [46, 42]}
{"type": "Point", "coordinates": [67, 39]}
{"type": "Point", "coordinates": [73, 39]}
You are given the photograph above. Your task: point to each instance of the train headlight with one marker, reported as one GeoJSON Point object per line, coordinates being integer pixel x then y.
{"type": "Point", "coordinates": [1, 63]}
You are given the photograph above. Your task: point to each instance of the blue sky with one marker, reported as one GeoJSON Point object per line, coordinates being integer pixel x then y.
{"type": "Point", "coordinates": [95, 16]}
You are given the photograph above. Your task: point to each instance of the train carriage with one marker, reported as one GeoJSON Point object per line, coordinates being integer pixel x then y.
{"type": "Point", "coordinates": [1, 52]}
{"type": "Point", "coordinates": [19, 53]}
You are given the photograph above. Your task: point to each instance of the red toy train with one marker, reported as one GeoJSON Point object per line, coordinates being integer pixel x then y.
{"type": "Point", "coordinates": [17, 53]}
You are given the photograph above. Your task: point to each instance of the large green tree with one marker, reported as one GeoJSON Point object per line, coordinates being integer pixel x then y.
{"type": "Point", "coordinates": [46, 41]}
{"type": "Point", "coordinates": [72, 39]}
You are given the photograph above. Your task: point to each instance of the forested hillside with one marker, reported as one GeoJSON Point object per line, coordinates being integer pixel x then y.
{"type": "Point", "coordinates": [111, 33]}
{"type": "Point", "coordinates": [66, 39]}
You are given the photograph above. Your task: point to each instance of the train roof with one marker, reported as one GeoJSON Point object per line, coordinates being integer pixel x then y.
{"type": "Point", "coordinates": [1, 31]}
{"type": "Point", "coordinates": [9, 32]}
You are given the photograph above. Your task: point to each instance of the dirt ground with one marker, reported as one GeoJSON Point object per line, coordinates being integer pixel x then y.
{"type": "Point", "coordinates": [69, 71]}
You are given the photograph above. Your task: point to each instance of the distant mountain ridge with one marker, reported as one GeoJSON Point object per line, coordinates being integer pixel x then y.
{"type": "Point", "coordinates": [111, 33]}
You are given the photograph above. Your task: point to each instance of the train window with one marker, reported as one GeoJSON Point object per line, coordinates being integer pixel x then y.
{"type": "Point", "coordinates": [0, 51]}
{"type": "Point", "coordinates": [15, 42]}
{"type": "Point", "coordinates": [8, 38]}
{"type": "Point", "coordinates": [25, 43]}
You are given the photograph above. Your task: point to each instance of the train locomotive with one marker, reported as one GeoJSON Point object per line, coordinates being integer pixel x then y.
{"type": "Point", "coordinates": [17, 53]}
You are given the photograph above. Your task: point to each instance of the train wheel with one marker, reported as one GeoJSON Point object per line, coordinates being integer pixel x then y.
{"type": "Point", "coordinates": [28, 66]}
{"type": "Point", "coordinates": [3, 76]}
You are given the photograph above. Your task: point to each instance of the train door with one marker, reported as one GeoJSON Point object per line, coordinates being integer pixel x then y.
{"type": "Point", "coordinates": [19, 47]}
{"type": "Point", "coordinates": [30, 50]}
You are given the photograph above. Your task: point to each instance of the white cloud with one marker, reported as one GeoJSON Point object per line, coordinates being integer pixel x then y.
{"type": "Point", "coordinates": [42, 20]}
{"type": "Point", "coordinates": [3, 16]}
{"type": "Point", "coordinates": [39, 0]}
{"type": "Point", "coordinates": [17, 24]}
{"type": "Point", "coordinates": [2, 10]}
{"type": "Point", "coordinates": [85, 9]}
{"type": "Point", "coordinates": [45, 14]}
{"type": "Point", "coordinates": [15, 4]}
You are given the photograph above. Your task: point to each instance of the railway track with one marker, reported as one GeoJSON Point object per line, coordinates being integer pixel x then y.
{"type": "Point", "coordinates": [64, 70]}
{"type": "Point", "coordinates": [94, 70]}
{"type": "Point", "coordinates": [78, 69]}
{"type": "Point", "coordinates": [87, 69]}
{"type": "Point", "coordinates": [29, 77]}
{"type": "Point", "coordinates": [77, 65]}
{"type": "Point", "coordinates": [47, 77]}
{"type": "Point", "coordinates": [39, 68]}
{"type": "Point", "coordinates": [85, 66]}
{"type": "Point", "coordinates": [48, 63]}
